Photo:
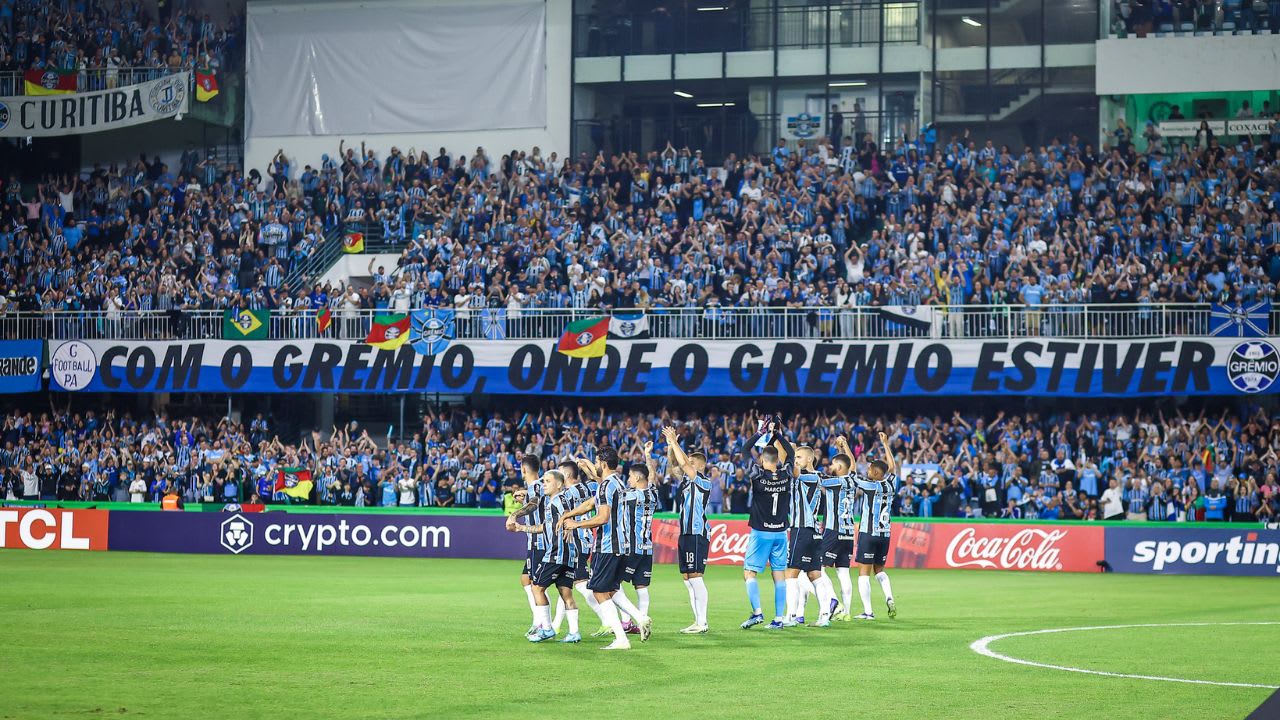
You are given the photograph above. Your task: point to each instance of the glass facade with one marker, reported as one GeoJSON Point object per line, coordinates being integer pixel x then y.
{"type": "Point", "coordinates": [986, 67]}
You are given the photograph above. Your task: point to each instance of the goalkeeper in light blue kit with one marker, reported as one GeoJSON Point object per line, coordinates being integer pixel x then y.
{"type": "Point", "coordinates": [771, 482]}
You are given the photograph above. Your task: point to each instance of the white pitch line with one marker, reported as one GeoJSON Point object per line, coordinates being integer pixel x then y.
{"type": "Point", "coordinates": [982, 647]}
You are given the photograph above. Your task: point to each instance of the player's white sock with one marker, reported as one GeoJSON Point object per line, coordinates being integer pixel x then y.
{"type": "Point", "coordinates": [864, 591]}
{"type": "Point", "coordinates": [806, 589]}
{"type": "Point", "coordinates": [795, 604]}
{"type": "Point", "coordinates": [883, 577]}
{"type": "Point", "coordinates": [533, 605]}
{"type": "Point", "coordinates": [626, 606]}
{"type": "Point", "coordinates": [700, 601]}
{"type": "Point", "coordinates": [846, 587]}
{"type": "Point", "coordinates": [589, 596]}
{"type": "Point", "coordinates": [693, 599]}
{"type": "Point", "coordinates": [559, 619]}
{"type": "Point", "coordinates": [826, 593]}
{"type": "Point", "coordinates": [642, 600]}
{"type": "Point", "coordinates": [542, 616]}
{"type": "Point", "coordinates": [573, 621]}
{"type": "Point", "coordinates": [609, 616]}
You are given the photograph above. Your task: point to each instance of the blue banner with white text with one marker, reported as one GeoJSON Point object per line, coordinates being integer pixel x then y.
{"type": "Point", "coordinates": [20, 364]}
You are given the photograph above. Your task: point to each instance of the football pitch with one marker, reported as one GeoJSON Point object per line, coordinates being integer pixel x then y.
{"type": "Point", "coordinates": [181, 636]}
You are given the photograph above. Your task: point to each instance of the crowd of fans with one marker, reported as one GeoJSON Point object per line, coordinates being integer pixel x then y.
{"type": "Point", "coordinates": [807, 224]}
{"type": "Point", "coordinates": [1141, 17]}
{"type": "Point", "coordinates": [1147, 464]}
{"type": "Point", "coordinates": [111, 44]}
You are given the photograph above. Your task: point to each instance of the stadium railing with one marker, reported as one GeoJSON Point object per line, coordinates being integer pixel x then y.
{"type": "Point", "coordinates": [1080, 321]}
{"type": "Point", "coordinates": [89, 80]}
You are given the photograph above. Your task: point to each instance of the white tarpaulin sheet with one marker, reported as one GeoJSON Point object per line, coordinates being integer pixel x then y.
{"type": "Point", "coordinates": [360, 70]}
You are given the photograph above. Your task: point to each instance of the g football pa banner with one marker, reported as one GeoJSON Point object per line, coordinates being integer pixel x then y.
{"type": "Point", "coordinates": [694, 367]}
{"type": "Point", "coordinates": [74, 113]}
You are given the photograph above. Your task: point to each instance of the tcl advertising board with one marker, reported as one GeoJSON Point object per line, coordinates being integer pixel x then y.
{"type": "Point", "coordinates": [53, 529]}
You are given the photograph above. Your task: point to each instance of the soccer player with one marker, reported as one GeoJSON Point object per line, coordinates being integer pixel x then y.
{"type": "Point", "coordinates": [873, 530]}
{"type": "Point", "coordinates": [695, 492]}
{"type": "Point", "coordinates": [556, 564]}
{"type": "Point", "coordinates": [770, 480]}
{"type": "Point", "coordinates": [578, 493]}
{"type": "Point", "coordinates": [641, 502]}
{"type": "Point", "coordinates": [840, 503]}
{"type": "Point", "coordinates": [805, 551]}
{"type": "Point", "coordinates": [530, 466]}
{"type": "Point", "coordinates": [612, 545]}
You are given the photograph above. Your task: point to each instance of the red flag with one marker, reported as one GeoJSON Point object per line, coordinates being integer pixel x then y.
{"type": "Point", "coordinates": [324, 319]}
{"type": "Point", "coordinates": [206, 86]}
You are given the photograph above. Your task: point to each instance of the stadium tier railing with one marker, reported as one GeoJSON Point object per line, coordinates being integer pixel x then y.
{"type": "Point", "coordinates": [1081, 321]}
{"type": "Point", "coordinates": [93, 79]}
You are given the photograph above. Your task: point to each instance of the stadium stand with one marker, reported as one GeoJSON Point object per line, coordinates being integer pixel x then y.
{"type": "Point", "coordinates": [957, 223]}
{"type": "Point", "coordinates": [1015, 464]}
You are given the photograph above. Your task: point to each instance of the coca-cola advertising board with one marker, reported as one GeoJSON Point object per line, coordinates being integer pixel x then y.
{"type": "Point", "coordinates": [978, 546]}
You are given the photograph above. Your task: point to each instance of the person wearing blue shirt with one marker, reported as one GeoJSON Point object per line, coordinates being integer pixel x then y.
{"type": "Point", "coordinates": [1215, 503]}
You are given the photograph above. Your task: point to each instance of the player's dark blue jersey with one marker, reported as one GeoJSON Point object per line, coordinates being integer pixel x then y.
{"type": "Point", "coordinates": [877, 504]}
{"type": "Point", "coordinates": [695, 493]}
{"type": "Point", "coordinates": [806, 499]}
{"type": "Point", "coordinates": [840, 500]}
{"type": "Point", "coordinates": [579, 494]}
{"type": "Point", "coordinates": [770, 497]}
{"type": "Point", "coordinates": [558, 549]}
{"type": "Point", "coordinates": [642, 538]}
{"type": "Point", "coordinates": [615, 533]}
{"type": "Point", "coordinates": [534, 495]}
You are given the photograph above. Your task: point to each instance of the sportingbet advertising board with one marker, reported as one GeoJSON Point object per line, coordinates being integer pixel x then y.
{"type": "Point", "coordinates": [1183, 550]}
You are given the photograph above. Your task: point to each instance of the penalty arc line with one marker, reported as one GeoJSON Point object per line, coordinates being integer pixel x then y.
{"type": "Point", "coordinates": [982, 647]}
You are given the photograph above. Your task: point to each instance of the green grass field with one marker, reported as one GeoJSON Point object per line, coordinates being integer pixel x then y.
{"type": "Point", "coordinates": [172, 636]}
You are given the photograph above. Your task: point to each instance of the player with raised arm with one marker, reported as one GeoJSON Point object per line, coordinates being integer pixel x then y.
{"type": "Point", "coordinates": [840, 506]}
{"type": "Point", "coordinates": [559, 558]}
{"type": "Point", "coordinates": [530, 466]}
{"type": "Point", "coordinates": [805, 550]}
{"type": "Point", "coordinates": [873, 530]}
{"type": "Point", "coordinates": [770, 480]}
{"type": "Point", "coordinates": [641, 502]}
{"type": "Point", "coordinates": [695, 493]}
{"type": "Point", "coordinates": [612, 545]}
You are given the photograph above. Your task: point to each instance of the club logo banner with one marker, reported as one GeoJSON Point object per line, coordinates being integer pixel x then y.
{"type": "Point", "coordinates": [813, 368]}
{"type": "Point", "coordinates": [1182, 550]}
{"type": "Point", "coordinates": [73, 113]}
{"type": "Point", "coordinates": [20, 365]}
{"type": "Point", "coordinates": [53, 529]}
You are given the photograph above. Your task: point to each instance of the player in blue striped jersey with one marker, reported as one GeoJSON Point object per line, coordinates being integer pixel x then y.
{"type": "Point", "coordinates": [694, 493]}
{"type": "Point", "coordinates": [612, 543]}
{"type": "Point", "coordinates": [805, 551]}
{"type": "Point", "coordinates": [530, 466]}
{"type": "Point", "coordinates": [559, 557]}
{"type": "Point", "coordinates": [878, 487]}
{"type": "Point", "coordinates": [841, 502]}
{"type": "Point", "coordinates": [641, 503]}
{"type": "Point", "coordinates": [579, 491]}
{"type": "Point", "coordinates": [770, 480]}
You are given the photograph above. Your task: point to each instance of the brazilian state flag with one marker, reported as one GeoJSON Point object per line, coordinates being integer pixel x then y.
{"type": "Point", "coordinates": [585, 338]}
{"type": "Point", "coordinates": [245, 324]}
{"type": "Point", "coordinates": [294, 482]}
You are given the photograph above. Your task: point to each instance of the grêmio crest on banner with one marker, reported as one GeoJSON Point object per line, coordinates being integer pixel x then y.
{"type": "Point", "coordinates": [74, 113]}
{"type": "Point", "coordinates": [813, 368]}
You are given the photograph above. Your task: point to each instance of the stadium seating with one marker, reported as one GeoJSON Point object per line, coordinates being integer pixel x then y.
{"type": "Point", "coordinates": [959, 223]}
{"type": "Point", "coordinates": [1048, 466]}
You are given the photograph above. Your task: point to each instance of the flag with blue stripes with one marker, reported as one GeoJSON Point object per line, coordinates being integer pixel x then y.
{"type": "Point", "coordinates": [494, 323]}
{"type": "Point", "coordinates": [431, 330]}
{"type": "Point", "coordinates": [1241, 320]}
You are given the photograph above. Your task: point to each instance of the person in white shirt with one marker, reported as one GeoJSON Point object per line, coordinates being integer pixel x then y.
{"type": "Point", "coordinates": [1112, 502]}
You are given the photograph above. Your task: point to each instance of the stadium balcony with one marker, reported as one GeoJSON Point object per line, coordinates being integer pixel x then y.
{"type": "Point", "coordinates": [1077, 321]}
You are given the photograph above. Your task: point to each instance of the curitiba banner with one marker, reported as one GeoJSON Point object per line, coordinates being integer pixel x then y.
{"type": "Point", "coordinates": [86, 112]}
{"type": "Point", "coordinates": [1156, 548]}
{"type": "Point", "coordinates": [807, 368]}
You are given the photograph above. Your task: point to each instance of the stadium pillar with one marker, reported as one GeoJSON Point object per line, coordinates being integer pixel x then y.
{"type": "Point", "coordinates": [324, 411]}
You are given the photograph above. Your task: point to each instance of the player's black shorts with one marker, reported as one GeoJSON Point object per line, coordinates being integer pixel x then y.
{"type": "Point", "coordinates": [805, 551]}
{"type": "Point", "coordinates": [639, 570]}
{"type": "Point", "coordinates": [872, 549]}
{"type": "Point", "coordinates": [607, 570]}
{"type": "Point", "coordinates": [692, 552]}
{"type": "Point", "coordinates": [837, 549]}
{"type": "Point", "coordinates": [531, 559]}
{"type": "Point", "coordinates": [580, 570]}
{"type": "Point", "coordinates": [546, 574]}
